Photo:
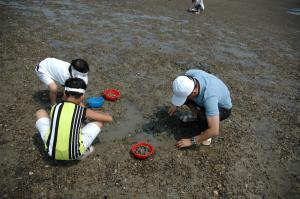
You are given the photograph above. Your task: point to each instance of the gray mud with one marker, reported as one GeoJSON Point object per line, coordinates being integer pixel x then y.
{"type": "Point", "coordinates": [139, 47]}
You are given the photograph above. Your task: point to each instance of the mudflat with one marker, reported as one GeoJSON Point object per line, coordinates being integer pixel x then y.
{"type": "Point", "coordinates": [139, 47]}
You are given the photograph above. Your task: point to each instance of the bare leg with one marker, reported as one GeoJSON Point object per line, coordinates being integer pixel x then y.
{"type": "Point", "coordinates": [52, 92]}
{"type": "Point", "coordinates": [41, 113]}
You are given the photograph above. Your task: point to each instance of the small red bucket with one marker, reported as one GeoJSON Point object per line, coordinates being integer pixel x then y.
{"type": "Point", "coordinates": [111, 94]}
{"type": "Point", "coordinates": [142, 150]}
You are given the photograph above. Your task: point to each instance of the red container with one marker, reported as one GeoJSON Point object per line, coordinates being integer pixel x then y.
{"type": "Point", "coordinates": [111, 94]}
{"type": "Point", "coordinates": [135, 147]}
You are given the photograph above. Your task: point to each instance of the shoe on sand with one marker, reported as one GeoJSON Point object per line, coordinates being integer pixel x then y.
{"type": "Point", "coordinates": [207, 142]}
{"type": "Point", "coordinates": [88, 152]}
{"type": "Point", "coordinates": [192, 10]}
{"type": "Point", "coordinates": [188, 118]}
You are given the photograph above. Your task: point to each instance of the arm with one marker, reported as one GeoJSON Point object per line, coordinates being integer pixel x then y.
{"type": "Point", "coordinates": [213, 130]}
{"type": "Point", "coordinates": [192, 107]}
{"type": "Point", "coordinates": [100, 117]}
{"type": "Point", "coordinates": [172, 110]}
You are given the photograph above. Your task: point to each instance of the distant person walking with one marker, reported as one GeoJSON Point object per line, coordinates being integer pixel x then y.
{"type": "Point", "coordinates": [209, 100]}
{"type": "Point", "coordinates": [198, 6]}
{"type": "Point", "coordinates": [52, 70]}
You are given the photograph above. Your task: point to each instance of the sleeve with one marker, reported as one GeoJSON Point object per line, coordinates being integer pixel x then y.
{"type": "Point", "coordinates": [211, 106]}
{"type": "Point", "coordinates": [190, 72]}
{"type": "Point", "coordinates": [83, 114]}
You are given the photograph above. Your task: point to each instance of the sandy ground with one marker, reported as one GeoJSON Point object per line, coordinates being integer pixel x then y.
{"type": "Point", "coordinates": [139, 47]}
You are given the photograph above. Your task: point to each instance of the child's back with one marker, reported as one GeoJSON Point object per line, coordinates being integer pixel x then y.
{"type": "Point", "coordinates": [63, 134]}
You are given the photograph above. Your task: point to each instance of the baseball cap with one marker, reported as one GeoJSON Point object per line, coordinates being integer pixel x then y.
{"type": "Point", "coordinates": [182, 88]}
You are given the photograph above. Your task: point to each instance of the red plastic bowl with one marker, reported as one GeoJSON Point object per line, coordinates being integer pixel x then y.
{"type": "Point", "coordinates": [111, 94]}
{"type": "Point", "coordinates": [140, 156]}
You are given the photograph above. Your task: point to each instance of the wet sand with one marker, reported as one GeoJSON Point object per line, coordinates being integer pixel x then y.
{"type": "Point", "coordinates": [139, 47]}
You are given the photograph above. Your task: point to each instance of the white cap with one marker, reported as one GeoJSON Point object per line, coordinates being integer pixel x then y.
{"type": "Point", "coordinates": [182, 88]}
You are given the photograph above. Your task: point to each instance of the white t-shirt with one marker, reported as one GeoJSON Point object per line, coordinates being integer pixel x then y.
{"type": "Point", "coordinates": [56, 69]}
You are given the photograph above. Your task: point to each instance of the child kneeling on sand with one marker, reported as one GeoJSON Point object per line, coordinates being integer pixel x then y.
{"type": "Point", "coordinates": [62, 133]}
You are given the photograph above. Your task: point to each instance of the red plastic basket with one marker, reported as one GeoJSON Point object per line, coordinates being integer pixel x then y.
{"type": "Point", "coordinates": [111, 94]}
{"type": "Point", "coordinates": [142, 156]}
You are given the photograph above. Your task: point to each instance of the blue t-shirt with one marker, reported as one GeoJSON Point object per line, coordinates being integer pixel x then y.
{"type": "Point", "coordinates": [213, 92]}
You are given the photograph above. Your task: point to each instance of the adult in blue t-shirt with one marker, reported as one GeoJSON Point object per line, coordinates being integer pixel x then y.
{"type": "Point", "coordinates": [209, 100]}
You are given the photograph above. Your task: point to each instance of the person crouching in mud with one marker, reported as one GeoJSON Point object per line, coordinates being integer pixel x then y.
{"type": "Point", "coordinates": [52, 71]}
{"type": "Point", "coordinates": [62, 133]}
{"type": "Point", "coordinates": [209, 100]}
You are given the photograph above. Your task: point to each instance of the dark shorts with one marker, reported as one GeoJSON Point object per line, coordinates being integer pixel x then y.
{"type": "Point", "coordinates": [198, 7]}
{"type": "Point", "coordinates": [202, 118]}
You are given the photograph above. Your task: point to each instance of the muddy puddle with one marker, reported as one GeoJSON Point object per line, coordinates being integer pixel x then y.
{"type": "Point", "coordinates": [133, 118]}
{"type": "Point", "coordinates": [132, 127]}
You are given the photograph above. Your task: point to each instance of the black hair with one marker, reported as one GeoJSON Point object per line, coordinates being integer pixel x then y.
{"type": "Point", "coordinates": [80, 65]}
{"type": "Point", "coordinates": [75, 83]}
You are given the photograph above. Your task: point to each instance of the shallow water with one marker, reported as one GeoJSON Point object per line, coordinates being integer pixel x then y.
{"type": "Point", "coordinates": [132, 120]}
{"type": "Point", "coordinates": [294, 11]}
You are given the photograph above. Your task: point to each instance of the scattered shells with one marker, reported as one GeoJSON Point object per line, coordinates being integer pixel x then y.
{"type": "Point", "coordinates": [142, 150]}
{"type": "Point", "coordinates": [216, 193]}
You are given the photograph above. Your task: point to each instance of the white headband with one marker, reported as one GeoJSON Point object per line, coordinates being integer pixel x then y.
{"type": "Point", "coordinates": [83, 76]}
{"type": "Point", "coordinates": [76, 72]}
{"type": "Point", "coordinates": [77, 90]}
